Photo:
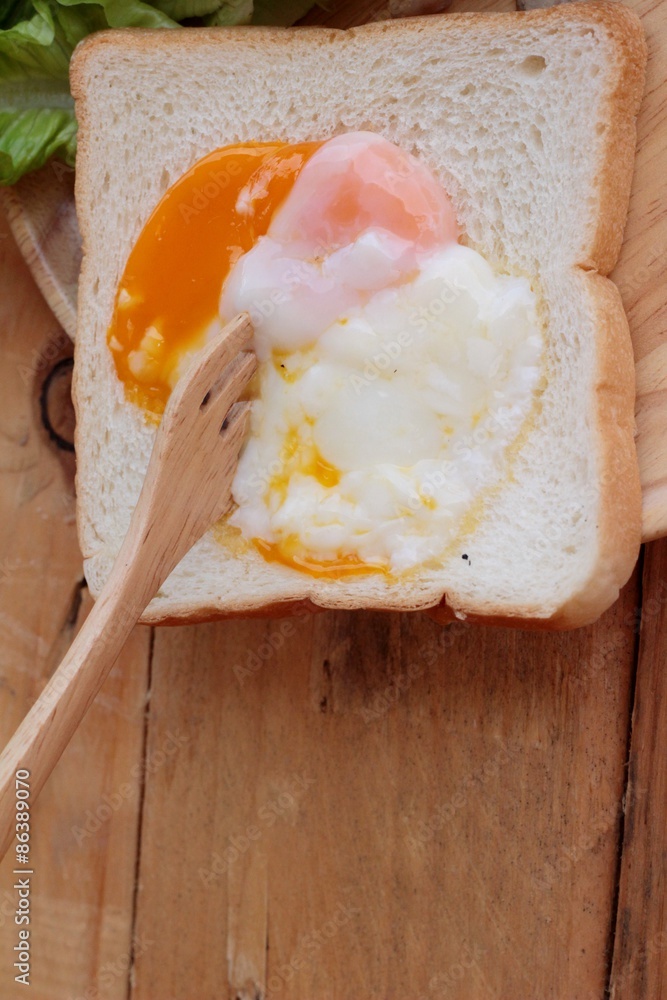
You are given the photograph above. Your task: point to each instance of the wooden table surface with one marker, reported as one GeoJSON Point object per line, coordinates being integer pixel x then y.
{"type": "Point", "coordinates": [339, 807]}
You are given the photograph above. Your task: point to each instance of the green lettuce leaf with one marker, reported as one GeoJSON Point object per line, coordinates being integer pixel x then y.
{"type": "Point", "coordinates": [278, 12]}
{"type": "Point", "coordinates": [36, 108]}
{"type": "Point", "coordinates": [97, 14]}
{"type": "Point", "coordinates": [29, 138]}
{"type": "Point", "coordinates": [232, 12]}
{"type": "Point", "coordinates": [37, 38]}
{"type": "Point", "coordinates": [12, 11]}
{"type": "Point", "coordinates": [187, 10]}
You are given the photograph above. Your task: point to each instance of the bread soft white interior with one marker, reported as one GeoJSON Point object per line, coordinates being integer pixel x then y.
{"type": "Point", "coordinates": [528, 120]}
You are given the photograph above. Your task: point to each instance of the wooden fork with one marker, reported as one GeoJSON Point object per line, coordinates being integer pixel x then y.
{"type": "Point", "coordinates": [186, 489]}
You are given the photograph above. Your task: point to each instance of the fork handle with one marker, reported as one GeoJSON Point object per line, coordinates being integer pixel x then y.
{"type": "Point", "coordinates": [197, 445]}
{"type": "Point", "coordinates": [48, 727]}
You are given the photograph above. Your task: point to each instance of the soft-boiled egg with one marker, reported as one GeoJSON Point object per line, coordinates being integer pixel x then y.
{"type": "Point", "coordinates": [397, 368]}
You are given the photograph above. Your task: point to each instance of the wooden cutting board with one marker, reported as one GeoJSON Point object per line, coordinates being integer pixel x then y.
{"type": "Point", "coordinates": [42, 216]}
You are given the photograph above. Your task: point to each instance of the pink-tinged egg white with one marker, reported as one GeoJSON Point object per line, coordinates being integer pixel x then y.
{"type": "Point", "coordinates": [357, 182]}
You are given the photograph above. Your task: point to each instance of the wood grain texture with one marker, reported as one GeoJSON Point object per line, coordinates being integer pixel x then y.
{"type": "Point", "coordinates": [368, 805]}
{"type": "Point", "coordinates": [640, 954]}
{"type": "Point", "coordinates": [84, 831]}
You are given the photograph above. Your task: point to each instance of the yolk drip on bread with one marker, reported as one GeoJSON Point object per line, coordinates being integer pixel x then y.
{"type": "Point", "coordinates": [170, 290]}
{"type": "Point", "coordinates": [397, 369]}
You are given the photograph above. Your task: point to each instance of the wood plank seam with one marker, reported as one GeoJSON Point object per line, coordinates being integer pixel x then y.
{"type": "Point", "coordinates": [140, 822]}
{"type": "Point", "coordinates": [639, 966]}
{"type": "Point", "coordinates": [613, 916]}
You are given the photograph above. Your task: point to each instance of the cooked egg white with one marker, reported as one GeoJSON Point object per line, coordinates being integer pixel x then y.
{"type": "Point", "coordinates": [395, 372]}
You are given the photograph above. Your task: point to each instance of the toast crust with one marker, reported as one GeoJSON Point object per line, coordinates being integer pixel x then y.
{"type": "Point", "coordinates": [620, 508]}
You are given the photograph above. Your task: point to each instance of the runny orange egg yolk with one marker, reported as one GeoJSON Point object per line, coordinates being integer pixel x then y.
{"type": "Point", "coordinates": [170, 289]}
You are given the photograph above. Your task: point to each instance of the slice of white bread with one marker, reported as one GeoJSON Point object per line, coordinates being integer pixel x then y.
{"type": "Point", "coordinates": [529, 122]}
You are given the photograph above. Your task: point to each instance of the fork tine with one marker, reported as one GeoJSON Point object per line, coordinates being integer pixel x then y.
{"type": "Point", "coordinates": [229, 386]}
{"type": "Point", "coordinates": [209, 364]}
{"type": "Point", "coordinates": [232, 436]}
{"type": "Point", "coordinates": [236, 424]}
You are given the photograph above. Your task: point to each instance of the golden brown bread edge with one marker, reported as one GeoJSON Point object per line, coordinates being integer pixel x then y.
{"type": "Point", "coordinates": [614, 388]}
